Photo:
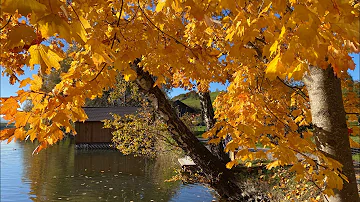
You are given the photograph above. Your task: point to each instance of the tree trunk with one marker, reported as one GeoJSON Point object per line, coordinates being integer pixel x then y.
{"type": "Point", "coordinates": [220, 178]}
{"type": "Point", "coordinates": [207, 112]}
{"type": "Point", "coordinates": [331, 134]}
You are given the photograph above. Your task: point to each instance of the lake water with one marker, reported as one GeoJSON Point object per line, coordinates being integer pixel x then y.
{"type": "Point", "coordinates": [61, 173]}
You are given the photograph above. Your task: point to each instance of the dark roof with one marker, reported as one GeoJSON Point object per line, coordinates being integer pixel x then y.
{"type": "Point", "coordinates": [101, 113]}
{"type": "Point", "coordinates": [183, 108]}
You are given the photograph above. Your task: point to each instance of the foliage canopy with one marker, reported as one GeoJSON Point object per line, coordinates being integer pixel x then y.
{"type": "Point", "coordinates": [263, 48]}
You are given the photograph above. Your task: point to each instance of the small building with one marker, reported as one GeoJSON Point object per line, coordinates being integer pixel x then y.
{"type": "Point", "coordinates": [92, 131]}
{"type": "Point", "coordinates": [182, 108]}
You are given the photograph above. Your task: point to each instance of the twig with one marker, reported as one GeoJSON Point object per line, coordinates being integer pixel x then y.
{"type": "Point", "coordinates": [6, 22]}
{"type": "Point", "coordinates": [121, 8]}
{"type": "Point", "coordinates": [98, 73]}
{"type": "Point", "coordinates": [352, 113]}
{"type": "Point", "coordinates": [294, 88]}
{"type": "Point", "coordinates": [78, 17]}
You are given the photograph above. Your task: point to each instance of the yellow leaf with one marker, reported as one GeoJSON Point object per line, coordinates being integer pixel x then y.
{"type": "Point", "coordinates": [24, 82]}
{"type": "Point", "coordinates": [21, 118]}
{"type": "Point", "coordinates": [36, 83]}
{"type": "Point", "coordinates": [303, 123]}
{"type": "Point", "coordinates": [50, 140]}
{"type": "Point", "coordinates": [24, 7]}
{"type": "Point", "coordinates": [354, 144]}
{"type": "Point", "coordinates": [246, 129]}
{"type": "Point", "coordinates": [9, 106]}
{"type": "Point", "coordinates": [293, 126]}
{"type": "Point", "coordinates": [78, 29]}
{"type": "Point", "coordinates": [298, 168]}
{"type": "Point", "coordinates": [160, 5]}
{"type": "Point", "coordinates": [46, 58]}
{"type": "Point", "coordinates": [299, 118]}
{"type": "Point", "coordinates": [84, 22]}
{"type": "Point", "coordinates": [275, 68]}
{"type": "Point", "coordinates": [208, 21]}
{"type": "Point", "coordinates": [231, 146]}
{"type": "Point", "coordinates": [129, 75]}
{"type": "Point", "coordinates": [35, 57]}
{"type": "Point", "coordinates": [231, 164]}
{"type": "Point", "coordinates": [50, 58]}
{"type": "Point", "coordinates": [296, 112]}
{"type": "Point", "coordinates": [101, 52]}
{"type": "Point", "coordinates": [292, 2]}
{"type": "Point", "coordinates": [52, 24]}
{"type": "Point", "coordinates": [297, 72]}
{"type": "Point", "coordinates": [273, 48]}
{"type": "Point", "coordinates": [19, 36]}
{"type": "Point", "coordinates": [273, 164]}
{"type": "Point", "coordinates": [19, 134]}
{"type": "Point", "coordinates": [283, 29]}
{"type": "Point", "coordinates": [214, 141]}
{"type": "Point", "coordinates": [62, 119]}
{"type": "Point", "coordinates": [265, 9]}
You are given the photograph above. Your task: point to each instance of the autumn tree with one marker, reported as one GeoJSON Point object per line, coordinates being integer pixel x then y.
{"type": "Point", "coordinates": [262, 48]}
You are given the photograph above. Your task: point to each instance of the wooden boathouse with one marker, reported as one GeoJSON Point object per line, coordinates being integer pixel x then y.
{"type": "Point", "coordinates": [92, 131]}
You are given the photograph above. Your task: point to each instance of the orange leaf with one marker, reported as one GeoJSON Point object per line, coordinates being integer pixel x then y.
{"type": "Point", "coordinates": [41, 146]}
{"type": "Point", "coordinates": [5, 134]}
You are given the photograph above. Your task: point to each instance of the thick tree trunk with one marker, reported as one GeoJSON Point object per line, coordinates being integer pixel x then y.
{"type": "Point", "coordinates": [331, 134]}
{"type": "Point", "coordinates": [207, 112]}
{"type": "Point", "coordinates": [221, 179]}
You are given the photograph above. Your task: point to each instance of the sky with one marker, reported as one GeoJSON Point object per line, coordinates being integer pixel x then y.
{"type": "Point", "coordinates": [7, 90]}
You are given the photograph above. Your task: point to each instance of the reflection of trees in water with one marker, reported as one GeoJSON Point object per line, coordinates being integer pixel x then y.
{"type": "Point", "coordinates": [46, 171]}
{"type": "Point", "coordinates": [62, 172]}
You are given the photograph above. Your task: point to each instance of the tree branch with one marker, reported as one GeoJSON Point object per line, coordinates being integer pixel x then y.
{"type": "Point", "coordinates": [294, 88]}
{"type": "Point", "coordinates": [78, 17]}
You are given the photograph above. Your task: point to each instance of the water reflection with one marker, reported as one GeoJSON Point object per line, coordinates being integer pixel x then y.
{"type": "Point", "coordinates": [63, 173]}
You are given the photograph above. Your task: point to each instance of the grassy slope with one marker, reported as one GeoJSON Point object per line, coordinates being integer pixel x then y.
{"type": "Point", "coordinates": [194, 102]}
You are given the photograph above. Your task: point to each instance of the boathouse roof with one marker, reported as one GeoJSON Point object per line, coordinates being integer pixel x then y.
{"type": "Point", "coordinates": [101, 113]}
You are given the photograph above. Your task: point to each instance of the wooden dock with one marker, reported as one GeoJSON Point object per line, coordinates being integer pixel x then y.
{"type": "Point", "coordinates": [186, 162]}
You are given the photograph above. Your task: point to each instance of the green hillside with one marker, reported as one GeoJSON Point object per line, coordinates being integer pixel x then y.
{"type": "Point", "coordinates": [192, 99]}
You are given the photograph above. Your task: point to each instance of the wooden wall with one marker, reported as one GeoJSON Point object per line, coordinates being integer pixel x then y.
{"type": "Point", "coordinates": [92, 132]}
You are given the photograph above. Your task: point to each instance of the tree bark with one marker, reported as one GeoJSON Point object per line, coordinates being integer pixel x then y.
{"type": "Point", "coordinates": [220, 178]}
{"type": "Point", "coordinates": [207, 112]}
{"type": "Point", "coordinates": [331, 134]}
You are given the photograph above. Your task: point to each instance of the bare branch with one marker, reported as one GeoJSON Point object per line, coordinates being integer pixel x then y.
{"type": "Point", "coordinates": [294, 88]}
